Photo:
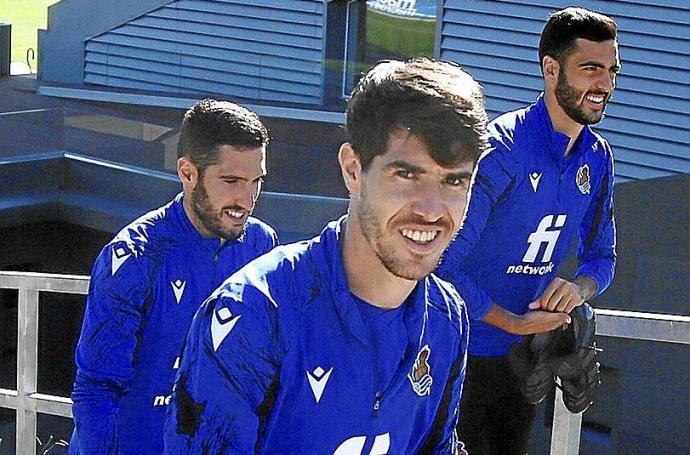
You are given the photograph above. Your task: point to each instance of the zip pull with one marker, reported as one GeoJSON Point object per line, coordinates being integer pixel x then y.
{"type": "Point", "coordinates": [377, 403]}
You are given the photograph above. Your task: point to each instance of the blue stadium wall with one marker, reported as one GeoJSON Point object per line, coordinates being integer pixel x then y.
{"type": "Point", "coordinates": [274, 51]}
{"type": "Point", "coordinates": [263, 50]}
{"type": "Point", "coordinates": [648, 120]}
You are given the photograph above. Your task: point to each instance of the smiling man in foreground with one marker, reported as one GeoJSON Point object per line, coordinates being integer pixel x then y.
{"type": "Point", "coordinates": [345, 344]}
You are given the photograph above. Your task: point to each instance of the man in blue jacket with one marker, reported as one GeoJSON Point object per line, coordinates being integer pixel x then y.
{"type": "Point", "coordinates": [546, 180]}
{"type": "Point", "coordinates": [150, 279]}
{"type": "Point", "coordinates": [345, 344]}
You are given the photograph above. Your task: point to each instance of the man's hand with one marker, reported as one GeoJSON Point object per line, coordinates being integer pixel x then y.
{"type": "Point", "coordinates": [527, 324]}
{"type": "Point", "coordinates": [539, 321]}
{"type": "Point", "coordinates": [563, 295]}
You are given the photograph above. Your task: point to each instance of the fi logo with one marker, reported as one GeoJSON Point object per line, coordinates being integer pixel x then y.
{"type": "Point", "coordinates": [355, 446]}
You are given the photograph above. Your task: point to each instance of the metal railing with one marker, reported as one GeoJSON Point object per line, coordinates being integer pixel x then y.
{"type": "Point", "coordinates": [26, 400]}
{"type": "Point", "coordinates": [565, 433]}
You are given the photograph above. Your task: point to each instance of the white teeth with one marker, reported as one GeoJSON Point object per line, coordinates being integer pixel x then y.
{"type": "Point", "coordinates": [234, 213]}
{"type": "Point", "coordinates": [419, 236]}
{"type": "Point", "coordinates": [596, 98]}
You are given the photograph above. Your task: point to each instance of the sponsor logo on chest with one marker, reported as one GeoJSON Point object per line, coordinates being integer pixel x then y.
{"type": "Point", "coordinates": [540, 247]}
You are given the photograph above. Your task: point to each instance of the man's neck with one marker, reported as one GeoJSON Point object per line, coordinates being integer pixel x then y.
{"type": "Point", "coordinates": [561, 121]}
{"type": "Point", "coordinates": [367, 277]}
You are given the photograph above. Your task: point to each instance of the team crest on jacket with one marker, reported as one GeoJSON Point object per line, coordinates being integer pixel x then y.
{"type": "Point", "coordinates": [420, 376]}
{"type": "Point", "coordinates": [582, 179]}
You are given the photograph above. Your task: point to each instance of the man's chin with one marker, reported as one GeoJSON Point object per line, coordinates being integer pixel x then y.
{"type": "Point", "coordinates": [412, 272]}
{"type": "Point", "coordinates": [227, 233]}
{"type": "Point", "coordinates": [232, 234]}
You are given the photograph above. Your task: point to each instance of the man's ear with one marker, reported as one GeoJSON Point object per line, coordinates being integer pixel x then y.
{"type": "Point", "coordinates": [350, 167]}
{"type": "Point", "coordinates": [188, 173]}
{"type": "Point", "coordinates": [551, 69]}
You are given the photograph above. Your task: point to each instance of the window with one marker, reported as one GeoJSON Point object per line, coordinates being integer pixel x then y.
{"type": "Point", "coordinates": [361, 33]}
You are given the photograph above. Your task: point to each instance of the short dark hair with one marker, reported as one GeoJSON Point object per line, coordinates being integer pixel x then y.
{"type": "Point", "coordinates": [566, 25]}
{"type": "Point", "coordinates": [436, 101]}
{"type": "Point", "coordinates": [210, 124]}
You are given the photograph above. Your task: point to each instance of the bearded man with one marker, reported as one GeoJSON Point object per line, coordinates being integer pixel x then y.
{"type": "Point", "coordinates": [148, 282]}
{"type": "Point", "coordinates": [546, 179]}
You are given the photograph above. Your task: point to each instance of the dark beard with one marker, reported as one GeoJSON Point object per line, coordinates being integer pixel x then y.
{"type": "Point", "coordinates": [210, 220]}
{"type": "Point", "coordinates": [568, 98]}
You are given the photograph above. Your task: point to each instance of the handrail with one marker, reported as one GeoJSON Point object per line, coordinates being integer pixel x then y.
{"type": "Point", "coordinates": [668, 328]}
{"type": "Point", "coordinates": [28, 402]}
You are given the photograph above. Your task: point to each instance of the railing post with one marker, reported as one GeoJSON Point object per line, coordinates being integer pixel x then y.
{"type": "Point", "coordinates": [27, 367]}
{"type": "Point", "coordinates": [565, 432]}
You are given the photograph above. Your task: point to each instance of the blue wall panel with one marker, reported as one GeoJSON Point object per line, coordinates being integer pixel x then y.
{"type": "Point", "coordinates": [270, 50]}
{"type": "Point", "coordinates": [648, 120]}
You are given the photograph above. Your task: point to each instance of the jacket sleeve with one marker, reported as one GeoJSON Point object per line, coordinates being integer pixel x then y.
{"type": "Point", "coordinates": [228, 375]}
{"type": "Point", "coordinates": [117, 293]}
{"type": "Point", "coordinates": [443, 439]}
{"type": "Point", "coordinates": [596, 250]}
{"type": "Point", "coordinates": [491, 180]}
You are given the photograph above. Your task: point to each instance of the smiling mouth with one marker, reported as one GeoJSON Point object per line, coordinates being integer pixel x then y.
{"type": "Point", "coordinates": [596, 99]}
{"type": "Point", "coordinates": [234, 214]}
{"type": "Point", "coordinates": [419, 237]}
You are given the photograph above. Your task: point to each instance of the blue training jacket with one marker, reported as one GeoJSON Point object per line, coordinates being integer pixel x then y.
{"type": "Point", "coordinates": [528, 202]}
{"type": "Point", "coordinates": [278, 361]}
{"type": "Point", "coordinates": [146, 285]}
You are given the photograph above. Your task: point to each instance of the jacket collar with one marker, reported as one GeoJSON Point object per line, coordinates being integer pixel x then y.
{"type": "Point", "coordinates": [554, 141]}
{"type": "Point", "coordinates": [331, 239]}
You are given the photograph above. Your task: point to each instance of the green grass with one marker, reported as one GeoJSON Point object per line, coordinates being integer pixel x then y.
{"type": "Point", "coordinates": [405, 37]}
{"type": "Point", "coordinates": [26, 16]}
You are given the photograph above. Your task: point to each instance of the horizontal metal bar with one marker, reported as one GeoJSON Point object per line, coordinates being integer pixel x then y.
{"type": "Point", "coordinates": [69, 284]}
{"type": "Point", "coordinates": [49, 404]}
{"type": "Point", "coordinates": [9, 399]}
{"type": "Point", "coordinates": [37, 402]}
{"type": "Point", "coordinates": [634, 325]}
{"type": "Point", "coordinates": [184, 103]}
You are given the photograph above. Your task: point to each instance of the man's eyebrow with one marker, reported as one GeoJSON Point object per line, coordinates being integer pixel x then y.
{"type": "Point", "coordinates": [596, 63]}
{"type": "Point", "coordinates": [237, 177]}
{"type": "Point", "coordinates": [401, 164]}
{"type": "Point", "coordinates": [459, 175]}
{"type": "Point", "coordinates": [231, 177]}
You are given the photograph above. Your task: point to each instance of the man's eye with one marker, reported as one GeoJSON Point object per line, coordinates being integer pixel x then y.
{"type": "Point", "coordinates": [455, 181]}
{"type": "Point", "coordinates": [404, 173]}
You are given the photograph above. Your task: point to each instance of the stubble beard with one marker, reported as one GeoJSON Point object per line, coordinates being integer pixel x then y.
{"type": "Point", "coordinates": [383, 247]}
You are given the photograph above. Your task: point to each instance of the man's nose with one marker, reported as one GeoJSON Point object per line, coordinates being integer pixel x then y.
{"type": "Point", "coordinates": [428, 203]}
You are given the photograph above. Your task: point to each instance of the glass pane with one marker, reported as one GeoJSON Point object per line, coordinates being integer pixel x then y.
{"type": "Point", "coordinates": [7, 431]}
{"type": "Point", "coordinates": [387, 29]}
{"type": "Point", "coordinates": [53, 434]}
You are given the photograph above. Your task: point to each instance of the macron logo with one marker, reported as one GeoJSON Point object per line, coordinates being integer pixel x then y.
{"type": "Point", "coordinates": [222, 323]}
{"type": "Point", "coordinates": [178, 289]}
{"type": "Point", "coordinates": [119, 255]}
{"type": "Point", "coordinates": [534, 179]}
{"type": "Point", "coordinates": [317, 381]}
